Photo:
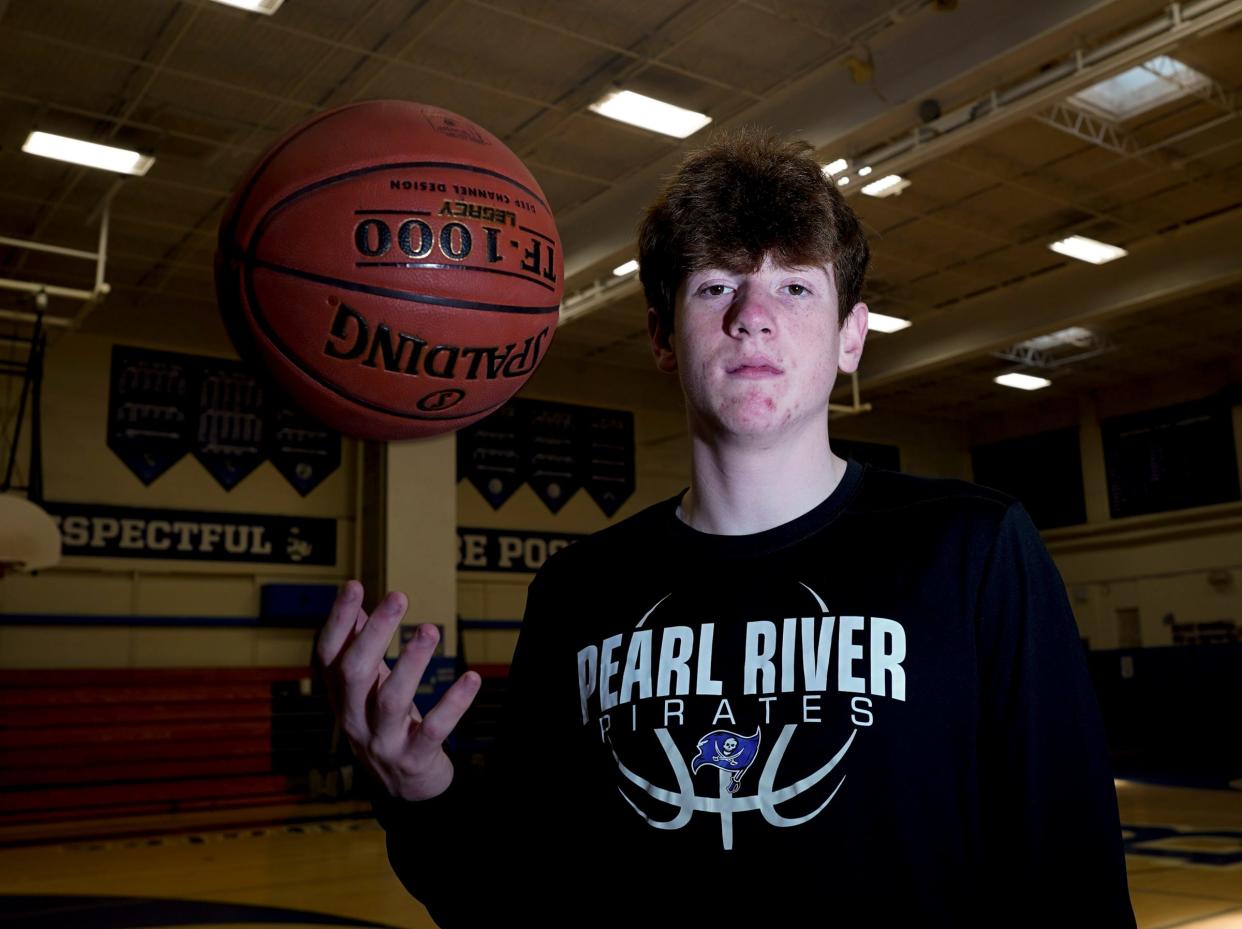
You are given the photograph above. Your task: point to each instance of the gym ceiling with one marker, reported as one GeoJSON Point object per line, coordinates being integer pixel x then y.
{"type": "Point", "coordinates": [973, 102]}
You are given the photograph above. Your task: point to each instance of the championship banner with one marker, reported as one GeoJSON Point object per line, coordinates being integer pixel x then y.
{"type": "Point", "coordinates": [302, 449]}
{"type": "Point", "coordinates": [150, 409]}
{"type": "Point", "coordinates": [512, 550]}
{"type": "Point", "coordinates": [162, 405]}
{"type": "Point", "coordinates": [556, 448]}
{"type": "Point", "coordinates": [609, 457]}
{"type": "Point", "coordinates": [229, 437]}
{"type": "Point", "coordinates": [98, 530]}
{"type": "Point", "coordinates": [488, 455]}
{"type": "Point", "coordinates": [553, 452]}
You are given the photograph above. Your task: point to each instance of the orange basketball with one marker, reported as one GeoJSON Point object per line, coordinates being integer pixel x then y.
{"type": "Point", "coordinates": [393, 266]}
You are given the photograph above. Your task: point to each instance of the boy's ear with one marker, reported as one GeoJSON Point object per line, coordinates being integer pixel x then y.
{"type": "Point", "coordinates": [661, 342]}
{"type": "Point", "coordinates": [852, 337]}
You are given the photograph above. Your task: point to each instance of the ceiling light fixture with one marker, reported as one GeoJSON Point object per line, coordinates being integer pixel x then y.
{"type": "Point", "coordinates": [628, 268]}
{"type": "Point", "coordinates": [836, 167]}
{"type": "Point", "coordinates": [266, 7]}
{"type": "Point", "coordinates": [1022, 381]}
{"type": "Point", "coordinates": [886, 186]}
{"type": "Point", "coordinates": [90, 154]}
{"type": "Point", "coordinates": [878, 322]}
{"type": "Point", "coordinates": [1075, 335]}
{"type": "Point", "coordinates": [648, 113]}
{"type": "Point", "coordinates": [1089, 250]}
{"type": "Point", "coordinates": [864, 170]}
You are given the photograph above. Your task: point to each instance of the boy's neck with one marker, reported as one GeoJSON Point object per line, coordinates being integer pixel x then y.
{"type": "Point", "coordinates": [739, 487]}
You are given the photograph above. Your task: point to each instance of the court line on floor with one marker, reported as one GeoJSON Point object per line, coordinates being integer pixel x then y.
{"type": "Point", "coordinates": [1193, 920]}
{"type": "Point", "coordinates": [149, 836]}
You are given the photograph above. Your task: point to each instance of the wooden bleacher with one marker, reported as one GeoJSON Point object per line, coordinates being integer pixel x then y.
{"type": "Point", "coordinates": [92, 743]}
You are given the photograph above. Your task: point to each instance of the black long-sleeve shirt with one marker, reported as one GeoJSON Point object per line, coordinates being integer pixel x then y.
{"type": "Point", "coordinates": [878, 711]}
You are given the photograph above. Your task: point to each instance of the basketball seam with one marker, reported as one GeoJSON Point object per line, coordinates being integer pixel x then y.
{"type": "Point", "coordinates": [443, 267]}
{"type": "Point", "coordinates": [407, 295]}
{"type": "Point", "coordinates": [336, 388]}
{"type": "Point", "coordinates": [263, 166]}
{"type": "Point", "coordinates": [392, 166]}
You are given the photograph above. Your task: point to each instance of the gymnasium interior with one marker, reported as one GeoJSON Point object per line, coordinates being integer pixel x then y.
{"type": "Point", "coordinates": [173, 532]}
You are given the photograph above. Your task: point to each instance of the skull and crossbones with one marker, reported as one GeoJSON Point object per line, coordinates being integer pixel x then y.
{"type": "Point", "coordinates": [729, 751]}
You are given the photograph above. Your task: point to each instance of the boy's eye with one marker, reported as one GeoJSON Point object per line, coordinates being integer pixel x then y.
{"type": "Point", "coordinates": [714, 290]}
{"type": "Point", "coordinates": [797, 290]}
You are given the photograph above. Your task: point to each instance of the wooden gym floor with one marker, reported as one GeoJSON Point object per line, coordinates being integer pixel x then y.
{"type": "Point", "coordinates": [289, 867]}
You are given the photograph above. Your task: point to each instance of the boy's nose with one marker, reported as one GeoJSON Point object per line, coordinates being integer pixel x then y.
{"type": "Point", "coordinates": [751, 314]}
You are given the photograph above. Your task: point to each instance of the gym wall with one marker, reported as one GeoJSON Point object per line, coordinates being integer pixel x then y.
{"type": "Point", "coordinates": [1141, 581]}
{"type": "Point", "coordinates": [109, 602]}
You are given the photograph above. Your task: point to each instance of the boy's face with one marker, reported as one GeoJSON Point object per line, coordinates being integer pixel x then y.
{"type": "Point", "coordinates": [757, 354]}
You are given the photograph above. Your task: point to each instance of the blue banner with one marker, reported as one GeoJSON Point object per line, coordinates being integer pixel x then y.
{"type": "Point", "coordinates": [101, 531]}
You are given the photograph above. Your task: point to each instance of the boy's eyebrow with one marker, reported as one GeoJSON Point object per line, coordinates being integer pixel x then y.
{"type": "Point", "coordinates": [709, 272]}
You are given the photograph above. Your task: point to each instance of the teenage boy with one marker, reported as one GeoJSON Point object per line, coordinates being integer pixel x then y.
{"type": "Point", "coordinates": [803, 691]}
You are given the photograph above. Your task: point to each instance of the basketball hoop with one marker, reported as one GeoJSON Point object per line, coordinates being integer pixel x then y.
{"type": "Point", "coordinates": [29, 538]}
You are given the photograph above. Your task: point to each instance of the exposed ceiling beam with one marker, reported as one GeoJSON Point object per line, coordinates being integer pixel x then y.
{"type": "Point", "coordinates": [924, 51]}
{"type": "Point", "coordinates": [970, 122]}
{"type": "Point", "coordinates": [1180, 264]}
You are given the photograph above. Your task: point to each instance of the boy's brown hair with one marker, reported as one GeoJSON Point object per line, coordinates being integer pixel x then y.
{"type": "Point", "coordinates": [748, 194]}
